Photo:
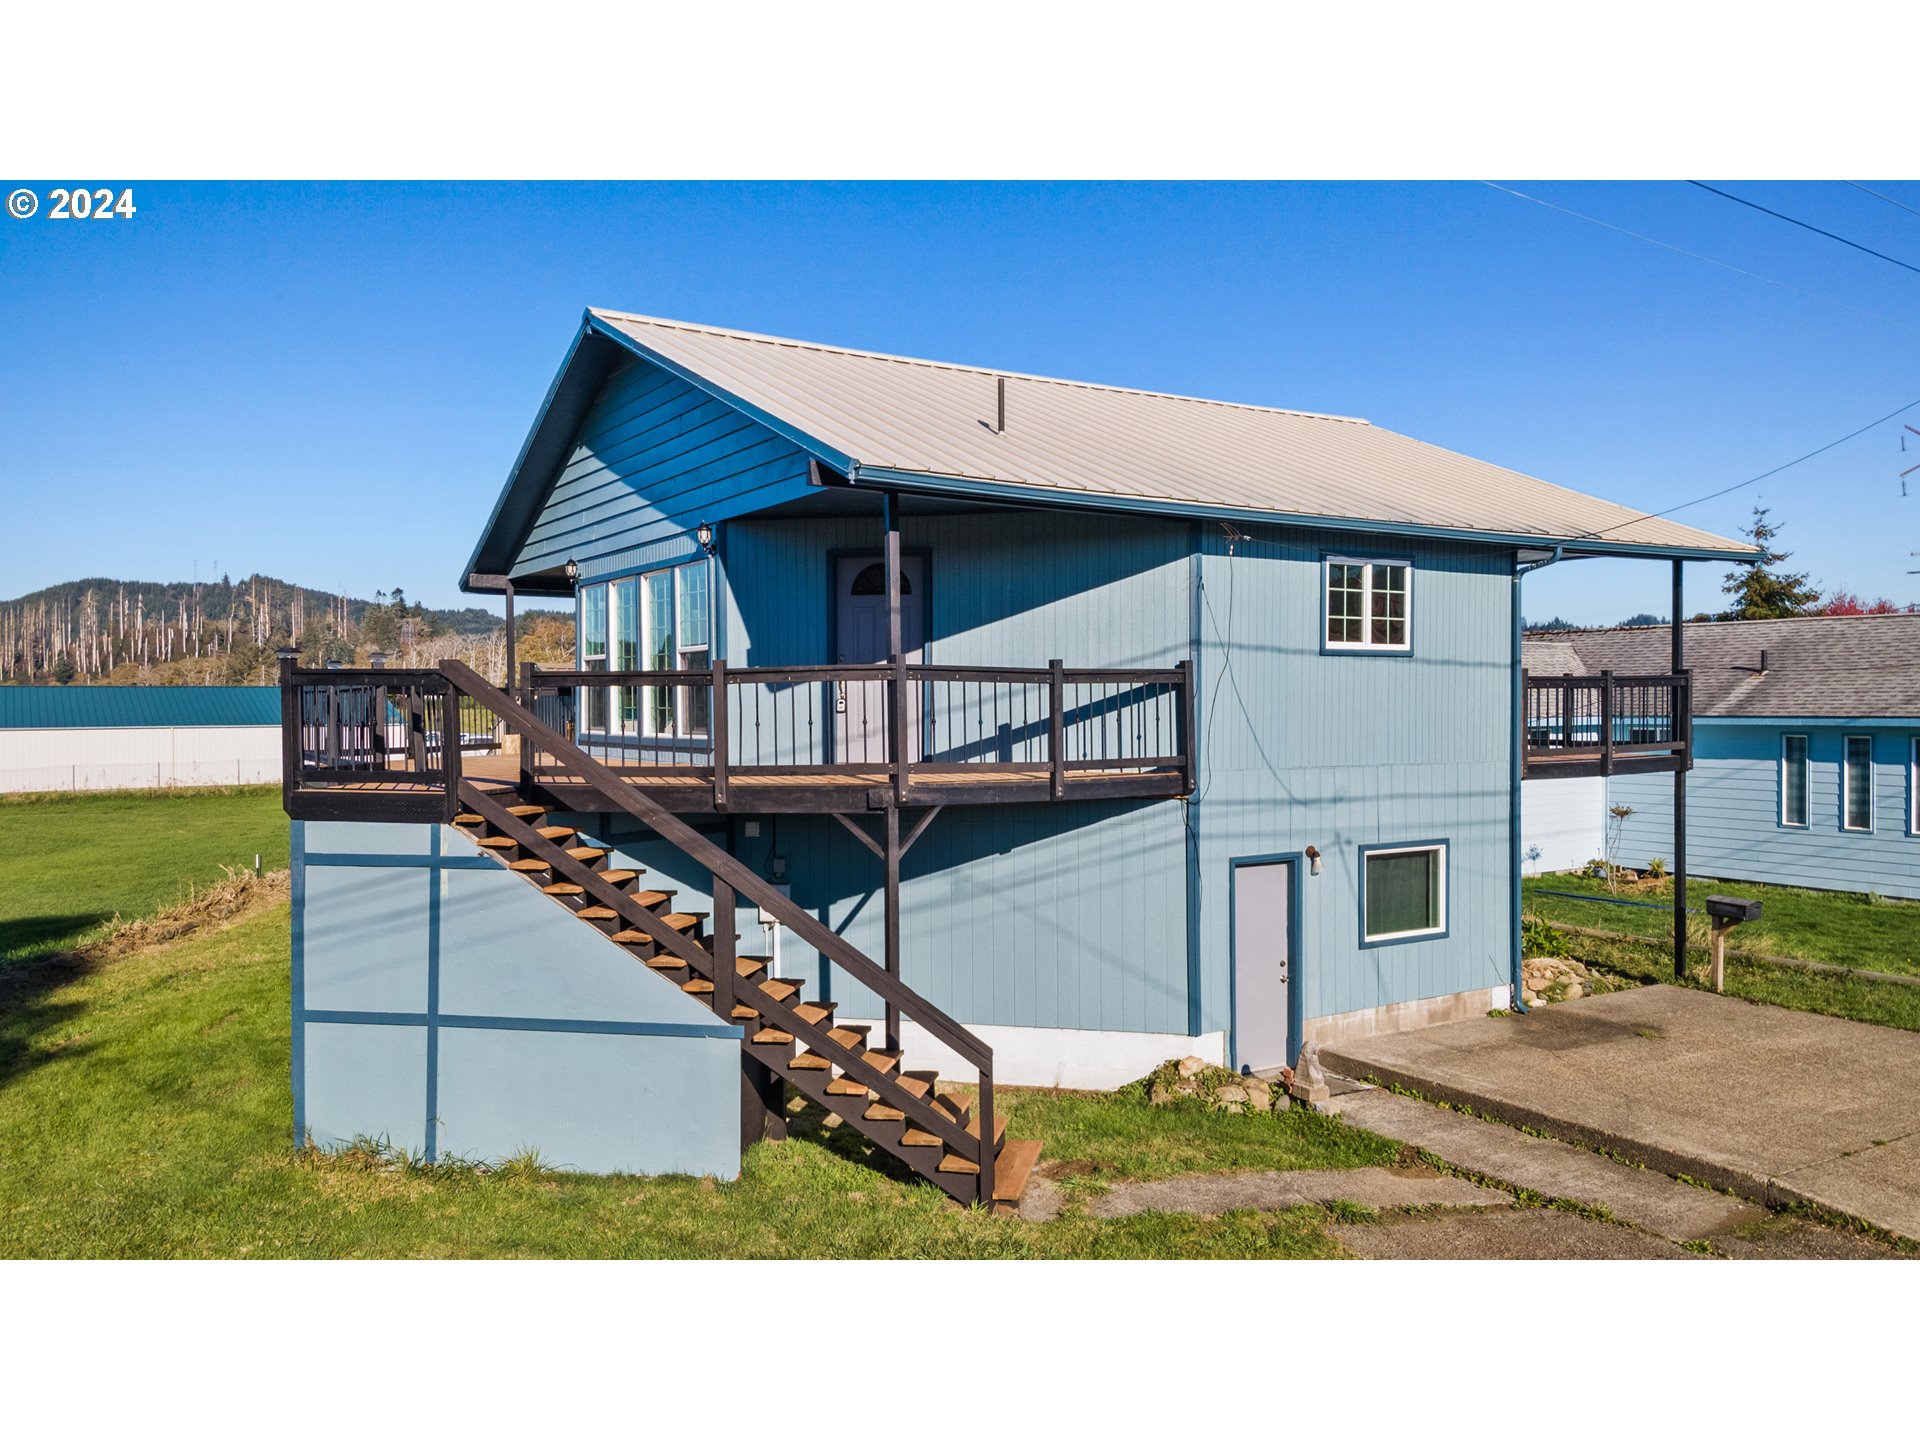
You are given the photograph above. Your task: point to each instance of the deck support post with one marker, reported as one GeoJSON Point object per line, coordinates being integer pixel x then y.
{"type": "Point", "coordinates": [896, 658]}
{"type": "Point", "coordinates": [892, 858]}
{"type": "Point", "coordinates": [724, 947]}
{"type": "Point", "coordinates": [512, 669]}
{"type": "Point", "coordinates": [717, 732]}
{"type": "Point", "coordinates": [529, 751]}
{"type": "Point", "coordinates": [1682, 728]}
{"type": "Point", "coordinates": [292, 744]}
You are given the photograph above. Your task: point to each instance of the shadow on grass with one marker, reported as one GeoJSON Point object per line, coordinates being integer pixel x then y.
{"type": "Point", "coordinates": [32, 1011]}
{"type": "Point", "coordinates": [27, 937]}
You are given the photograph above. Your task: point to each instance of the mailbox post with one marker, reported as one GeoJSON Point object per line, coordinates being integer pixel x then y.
{"type": "Point", "coordinates": [1726, 912]}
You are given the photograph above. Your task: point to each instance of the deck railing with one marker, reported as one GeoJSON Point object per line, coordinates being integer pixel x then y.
{"type": "Point", "coordinates": [895, 725]}
{"type": "Point", "coordinates": [1607, 724]}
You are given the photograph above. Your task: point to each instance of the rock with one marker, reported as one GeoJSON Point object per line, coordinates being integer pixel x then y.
{"type": "Point", "coordinates": [1230, 1095]}
{"type": "Point", "coordinates": [1192, 1065]}
{"type": "Point", "coordinates": [1161, 1095]}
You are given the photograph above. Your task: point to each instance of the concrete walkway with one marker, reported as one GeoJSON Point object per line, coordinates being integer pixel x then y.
{"type": "Point", "coordinates": [1773, 1104]}
{"type": "Point", "coordinates": [1377, 1188]}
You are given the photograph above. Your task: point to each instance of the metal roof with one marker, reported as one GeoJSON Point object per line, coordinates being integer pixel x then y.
{"type": "Point", "coordinates": [926, 424]}
{"type": "Point", "coordinates": [1838, 666]}
{"type": "Point", "coordinates": [121, 707]}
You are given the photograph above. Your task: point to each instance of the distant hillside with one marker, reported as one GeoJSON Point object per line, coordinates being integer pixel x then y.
{"type": "Point", "coordinates": [106, 631]}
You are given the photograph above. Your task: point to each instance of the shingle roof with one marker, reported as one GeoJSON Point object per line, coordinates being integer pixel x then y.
{"type": "Point", "coordinates": [1817, 665]}
{"type": "Point", "coordinates": [897, 418]}
{"type": "Point", "coordinates": [116, 707]}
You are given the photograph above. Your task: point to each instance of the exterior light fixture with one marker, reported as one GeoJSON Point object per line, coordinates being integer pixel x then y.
{"type": "Point", "coordinates": [1313, 861]}
{"type": "Point", "coordinates": [573, 570]}
{"type": "Point", "coordinates": [704, 534]}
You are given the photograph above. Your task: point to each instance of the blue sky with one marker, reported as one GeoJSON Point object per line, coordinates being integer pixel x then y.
{"type": "Point", "coordinates": [328, 382]}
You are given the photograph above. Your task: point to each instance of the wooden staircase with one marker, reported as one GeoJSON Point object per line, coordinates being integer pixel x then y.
{"type": "Point", "coordinates": [798, 1041]}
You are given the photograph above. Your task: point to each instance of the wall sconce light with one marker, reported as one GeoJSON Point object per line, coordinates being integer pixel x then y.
{"type": "Point", "coordinates": [1313, 861]}
{"type": "Point", "coordinates": [704, 534]}
{"type": "Point", "coordinates": [573, 570]}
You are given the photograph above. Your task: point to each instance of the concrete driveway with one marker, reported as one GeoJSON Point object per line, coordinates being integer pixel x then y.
{"type": "Point", "coordinates": [1775, 1105]}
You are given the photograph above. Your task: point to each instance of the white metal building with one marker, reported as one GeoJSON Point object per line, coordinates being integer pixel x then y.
{"type": "Point", "coordinates": [137, 737]}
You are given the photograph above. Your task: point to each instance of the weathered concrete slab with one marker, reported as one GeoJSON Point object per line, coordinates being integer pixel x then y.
{"type": "Point", "coordinates": [1774, 1104]}
{"type": "Point", "coordinates": [1281, 1189]}
{"type": "Point", "coordinates": [1647, 1198]}
{"type": "Point", "coordinates": [1512, 1235]}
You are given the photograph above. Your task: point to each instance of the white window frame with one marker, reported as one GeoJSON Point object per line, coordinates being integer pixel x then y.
{"type": "Point", "coordinates": [1805, 821]}
{"type": "Point", "coordinates": [603, 659]}
{"type": "Point", "coordinates": [1913, 785]}
{"type": "Point", "coordinates": [676, 698]}
{"type": "Point", "coordinates": [1366, 641]}
{"type": "Point", "coordinates": [1846, 785]}
{"type": "Point", "coordinates": [683, 709]}
{"type": "Point", "coordinates": [1439, 848]}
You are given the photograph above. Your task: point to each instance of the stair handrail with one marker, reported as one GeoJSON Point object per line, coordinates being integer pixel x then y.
{"type": "Point", "coordinates": [717, 861]}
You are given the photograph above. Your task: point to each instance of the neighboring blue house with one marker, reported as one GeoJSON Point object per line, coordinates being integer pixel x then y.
{"type": "Point", "coordinates": [1090, 725]}
{"type": "Point", "coordinates": [1806, 742]}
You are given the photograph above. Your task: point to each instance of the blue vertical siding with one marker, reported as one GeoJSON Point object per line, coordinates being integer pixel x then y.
{"type": "Point", "coordinates": [1733, 811]}
{"type": "Point", "coordinates": [655, 457]}
{"type": "Point", "coordinates": [1340, 750]}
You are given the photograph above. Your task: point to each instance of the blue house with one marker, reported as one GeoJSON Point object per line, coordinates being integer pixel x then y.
{"type": "Point", "coordinates": [929, 723]}
{"type": "Point", "coordinates": [1806, 746]}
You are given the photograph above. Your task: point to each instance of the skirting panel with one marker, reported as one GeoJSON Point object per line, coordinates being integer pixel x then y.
{"type": "Point", "coordinates": [1060, 1059]}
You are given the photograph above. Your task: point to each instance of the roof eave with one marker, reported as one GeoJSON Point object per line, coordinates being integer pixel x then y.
{"type": "Point", "coordinates": [911, 480]}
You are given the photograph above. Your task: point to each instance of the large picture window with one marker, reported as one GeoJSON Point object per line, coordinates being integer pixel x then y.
{"type": "Point", "coordinates": [1793, 780]}
{"type": "Point", "coordinates": [661, 620]}
{"type": "Point", "coordinates": [1403, 892]}
{"type": "Point", "coordinates": [1369, 604]}
{"type": "Point", "coordinates": [1856, 784]}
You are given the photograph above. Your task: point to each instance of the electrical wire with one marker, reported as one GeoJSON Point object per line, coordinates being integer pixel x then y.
{"type": "Point", "coordinates": [1851, 244]}
{"type": "Point", "coordinates": [1898, 205]}
{"type": "Point", "coordinates": [1767, 474]}
{"type": "Point", "coordinates": [1696, 255]}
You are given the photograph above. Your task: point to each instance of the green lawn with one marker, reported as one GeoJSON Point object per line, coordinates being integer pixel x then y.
{"type": "Point", "coordinates": [71, 863]}
{"type": "Point", "coordinates": [145, 1111]}
{"type": "Point", "coordinates": [1825, 925]}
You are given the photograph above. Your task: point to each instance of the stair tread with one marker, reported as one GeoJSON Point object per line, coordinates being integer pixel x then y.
{"type": "Point", "coordinates": [841, 1085]}
{"type": "Point", "coordinates": [556, 832]}
{"type": "Point", "coordinates": [811, 1060]}
{"type": "Point", "coordinates": [922, 1137]}
{"type": "Point", "coordinates": [499, 842]}
{"type": "Point", "coordinates": [814, 1014]}
{"type": "Point", "coordinates": [955, 1110]}
{"type": "Point", "coordinates": [853, 1037]}
{"type": "Point", "coordinates": [880, 1110]}
{"type": "Point", "coordinates": [528, 866]}
{"type": "Point", "coordinates": [779, 989]}
{"type": "Point", "coordinates": [524, 812]}
{"type": "Point", "coordinates": [587, 853]}
{"type": "Point", "coordinates": [881, 1060]}
{"type": "Point", "coordinates": [564, 887]}
{"type": "Point", "coordinates": [752, 965]}
{"type": "Point", "coordinates": [1012, 1167]}
{"type": "Point", "coordinates": [597, 912]}
{"type": "Point", "coordinates": [665, 960]}
{"type": "Point", "coordinates": [915, 1085]}
{"type": "Point", "coordinates": [683, 922]}
{"type": "Point", "coordinates": [697, 986]}
{"type": "Point", "coordinates": [468, 818]}
{"type": "Point", "coordinates": [651, 898]}
{"type": "Point", "coordinates": [620, 877]}
{"type": "Point", "coordinates": [771, 1036]}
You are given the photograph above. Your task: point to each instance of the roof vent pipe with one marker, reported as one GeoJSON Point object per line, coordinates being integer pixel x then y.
{"type": "Point", "coordinates": [1000, 426]}
{"type": "Point", "coordinates": [1763, 662]}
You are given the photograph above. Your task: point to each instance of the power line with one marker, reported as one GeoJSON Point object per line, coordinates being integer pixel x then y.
{"type": "Point", "coordinates": [1695, 255]}
{"type": "Point", "coordinates": [1852, 244]}
{"type": "Point", "coordinates": [1764, 475]}
{"type": "Point", "coordinates": [1878, 196]}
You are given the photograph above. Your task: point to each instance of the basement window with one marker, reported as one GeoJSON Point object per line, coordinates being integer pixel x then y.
{"type": "Point", "coordinates": [1369, 605]}
{"type": "Point", "coordinates": [1403, 892]}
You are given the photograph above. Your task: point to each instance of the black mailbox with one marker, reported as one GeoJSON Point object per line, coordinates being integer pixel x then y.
{"type": "Point", "coordinates": [1726, 907]}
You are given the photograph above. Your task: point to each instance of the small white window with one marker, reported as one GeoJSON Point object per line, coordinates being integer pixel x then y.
{"type": "Point", "coordinates": [1856, 784]}
{"type": "Point", "coordinates": [1403, 892]}
{"type": "Point", "coordinates": [1913, 789]}
{"type": "Point", "coordinates": [1369, 604]}
{"type": "Point", "coordinates": [1793, 781]}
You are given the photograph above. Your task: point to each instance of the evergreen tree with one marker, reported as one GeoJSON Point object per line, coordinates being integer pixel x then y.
{"type": "Point", "coordinates": [1761, 592]}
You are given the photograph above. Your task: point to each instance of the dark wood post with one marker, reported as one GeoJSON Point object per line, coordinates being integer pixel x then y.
{"type": "Point", "coordinates": [724, 947]}
{"type": "Point", "coordinates": [292, 747]}
{"type": "Point", "coordinates": [896, 659]}
{"type": "Point", "coordinates": [529, 748]}
{"type": "Point", "coordinates": [1187, 752]}
{"type": "Point", "coordinates": [1057, 726]}
{"type": "Point", "coordinates": [892, 859]}
{"type": "Point", "coordinates": [1679, 780]}
{"type": "Point", "coordinates": [717, 732]}
{"type": "Point", "coordinates": [985, 1109]}
{"type": "Point", "coordinates": [512, 669]}
{"type": "Point", "coordinates": [1606, 722]}
{"type": "Point", "coordinates": [450, 746]}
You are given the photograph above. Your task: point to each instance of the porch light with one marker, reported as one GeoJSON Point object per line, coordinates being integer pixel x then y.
{"type": "Point", "coordinates": [1313, 861]}
{"type": "Point", "coordinates": [704, 534]}
{"type": "Point", "coordinates": [573, 570]}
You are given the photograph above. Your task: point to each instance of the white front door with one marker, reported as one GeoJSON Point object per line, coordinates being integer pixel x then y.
{"type": "Point", "coordinates": [860, 609]}
{"type": "Point", "coordinates": [1263, 901]}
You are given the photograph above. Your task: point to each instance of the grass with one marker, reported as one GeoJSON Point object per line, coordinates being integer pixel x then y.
{"type": "Point", "coordinates": [1845, 996]}
{"type": "Point", "coordinates": [1833, 927]}
{"type": "Point", "coordinates": [145, 1112]}
{"type": "Point", "coordinates": [73, 863]}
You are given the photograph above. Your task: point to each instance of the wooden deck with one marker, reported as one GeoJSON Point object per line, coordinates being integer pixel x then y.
{"type": "Point", "coordinates": [690, 790]}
